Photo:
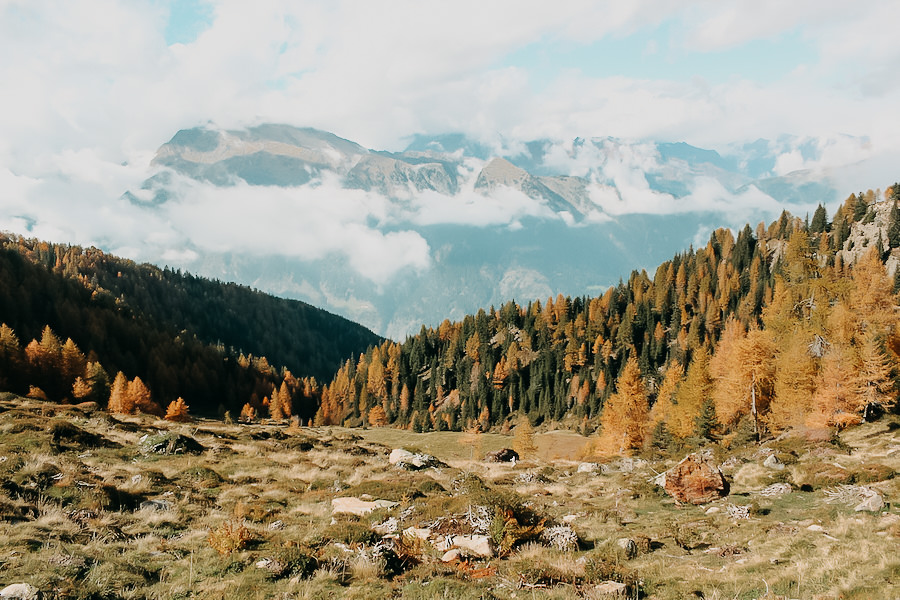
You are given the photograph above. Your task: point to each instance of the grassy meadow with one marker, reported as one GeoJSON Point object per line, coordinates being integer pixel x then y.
{"type": "Point", "coordinates": [101, 506]}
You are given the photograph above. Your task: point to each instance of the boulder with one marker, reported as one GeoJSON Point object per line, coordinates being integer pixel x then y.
{"type": "Point", "coordinates": [503, 455]}
{"type": "Point", "coordinates": [588, 467]}
{"type": "Point", "coordinates": [628, 546]}
{"type": "Point", "coordinates": [609, 588]}
{"type": "Point", "coordinates": [477, 545]}
{"type": "Point", "coordinates": [695, 480]}
{"type": "Point", "coordinates": [153, 505]}
{"type": "Point", "coordinates": [872, 503]}
{"type": "Point", "coordinates": [170, 443]}
{"type": "Point", "coordinates": [20, 591]}
{"type": "Point", "coordinates": [355, 506]}
{"type": "Point", "coordinates": [410, 461]}
{"type": "Point", "coordinates": [451, 555]}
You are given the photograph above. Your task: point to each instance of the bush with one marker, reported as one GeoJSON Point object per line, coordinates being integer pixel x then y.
{"type": "Point", "coordinates": [231, 536]}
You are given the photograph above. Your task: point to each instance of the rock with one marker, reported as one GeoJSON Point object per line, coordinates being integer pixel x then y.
{"type": "Point", "coordinates": [695, 480]}
{"type": "Point", "coordinates": [569, 519]}
{"type": "Point", "coordinates": [20, 591]}
{"type": "Point", "coordinates": [815, 527]}
{"type": "Point", "coordinates": [451, 555]}
{"type": "Point", "coordinates": [273, 566]}
{"type": "Point", "coordinates": [628, 547]}
{"type": "Point", "coordinates": [561, 537]}
{"type": "Point", "coordinates": [773, 463]}
{"type": "Point", "coordinates": [155, 505]}
{"type": "Point", "coordinates": [417, 533]}
{"type": "Point", "coordinates": [503, 455]}
{"type": "Point", "coordinates": [170, 443]}
{"type": "Point", "coordinates": [587, 467]}
{"type": "Point", "coordinates": [713, 510]}
{"type": "Point", "coordinates": [355, 506]}
{"type": "Point", "coordinates": [405, 459]}
{"type": "Point", "coordinates": [478, 545]}
{"type": "Point", "coordinates": [609, 588]}
{"type": "Point", "coordinates": [873, 503]}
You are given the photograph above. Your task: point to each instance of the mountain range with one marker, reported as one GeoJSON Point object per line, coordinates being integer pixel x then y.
{"type": "Point", "coordinates": [451, 224]}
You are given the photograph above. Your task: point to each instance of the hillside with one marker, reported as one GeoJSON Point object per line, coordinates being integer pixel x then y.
{"type": "Point", "coordinates": [215, 344]}
{"type": "Point", "coordinates": [744, 335]}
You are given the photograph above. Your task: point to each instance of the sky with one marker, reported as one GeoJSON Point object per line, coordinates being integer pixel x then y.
{"type": "Point", "coordinates": [91, 88]}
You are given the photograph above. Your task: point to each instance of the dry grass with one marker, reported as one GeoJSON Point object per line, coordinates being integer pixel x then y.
{"type": "Point", "coordinates": [70, 521]}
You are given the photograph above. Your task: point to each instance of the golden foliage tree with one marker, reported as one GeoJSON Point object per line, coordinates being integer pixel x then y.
{"type": "Point", "coordinates": [119, 400]}
{"type": "Point", "coordinates": [794, 384]}
{"type": "Point", "coordinates": [836, 401]}
{"type": "Point", "coordinates": [377, 416]}
{"type": "Point", "coordinates": [693, 392]}
{"type": "Point", "coordinates": [178, 411]}
{"type": "Point", "coordinates": [523, 438]}
{"type": "Point", "coordinates": [625, 414]}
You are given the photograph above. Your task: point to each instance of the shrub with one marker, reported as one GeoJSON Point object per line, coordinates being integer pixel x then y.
{"type": "Point", "coordinates": [232, 535]}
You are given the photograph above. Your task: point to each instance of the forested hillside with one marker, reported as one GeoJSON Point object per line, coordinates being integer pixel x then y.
{"type": "Point", "coordinates": [217, 345]}
{"type": "Point", "coordinates": [793, 324]}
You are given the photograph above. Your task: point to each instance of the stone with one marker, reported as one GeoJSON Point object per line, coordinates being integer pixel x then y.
{"type": "Point", "coordinates": [360, 508]}
{"type": "Point", "coordinates": [713, 510]}
{"type": "Point", "coordinates": [410, 461]}
{"type": "Point", "coordinates": [417, 533]}
{"type": "Point", "coordinates": [451, 555]}
{"type": "Point", "coordinates": [609, 588]}
{"type": "Point", "coordinates": [628, 546]}
{"type": "Point", "coordinates": [873, 503]}
{"type": "Point", "coordinates": [154, 505]}
{"type": "Point", "coordinates": [587, 467]}
{"type": "Point", "coordinates": [478, 545]}
{"type": "Point", "coordinates": [20, 591]}
{"type": "Point", "coordinates": [695, 480]}
{"type": "Point", "coordinates": [170, 443]}
{"type": "Point", "coordinates": [502, 455]}
{"type": "Point", "coordinates": [772, 462]}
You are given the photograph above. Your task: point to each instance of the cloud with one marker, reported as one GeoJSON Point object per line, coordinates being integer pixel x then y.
{"type": "Point", "coordinates": [306, 223]}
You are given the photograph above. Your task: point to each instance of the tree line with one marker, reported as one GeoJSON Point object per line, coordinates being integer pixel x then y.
{"type": "Point", "coordinates": [790, 324]}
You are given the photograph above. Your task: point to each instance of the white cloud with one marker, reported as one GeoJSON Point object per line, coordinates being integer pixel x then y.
{"type": "Point", "coordinates": [91, 90]}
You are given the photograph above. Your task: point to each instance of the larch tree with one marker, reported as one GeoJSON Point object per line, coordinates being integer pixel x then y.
{"type": "Point", "coordinates": [178, 411]}
{"type": "Point", "coordinates": [794, 383]}
{"type": "Point", "coordinates": [693, 392]}
{"type": "Point", "coordinates": [836, 401]}
{"type": "Point", "coordinates": [119, 400]}
{"type": "Point", "coordinates": [874, 375]}
{"type": "Point", "coordinates": [523, 438]}
{"type": "Point", "coordinates": [81, 389]}
{"type": "Point", "coordinates": [625, 415]}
